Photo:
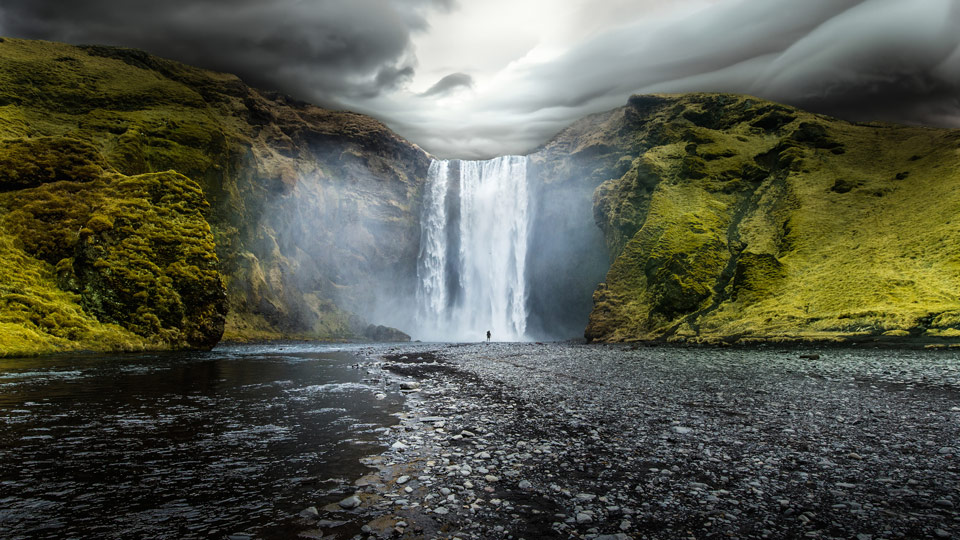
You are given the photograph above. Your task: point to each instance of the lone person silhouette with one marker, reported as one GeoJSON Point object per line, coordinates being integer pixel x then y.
{"type": "Point", "coordinates": [488, 336]}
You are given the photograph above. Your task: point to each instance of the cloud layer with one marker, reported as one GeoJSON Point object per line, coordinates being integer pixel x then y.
{"type": "Point", "coordinates": [857, 59]}
{"type": "Point", "coordinates": [326, 50]}
{"type": "Point", "coordinates": [861, 60]}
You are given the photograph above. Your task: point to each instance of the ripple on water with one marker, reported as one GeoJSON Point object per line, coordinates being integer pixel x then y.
{"type": "Point", "coordinates": [331, 388]}
{"type": "Point", "coordinates": [181, 446]}
{"type": "Point", "coordinates": [41, 374]}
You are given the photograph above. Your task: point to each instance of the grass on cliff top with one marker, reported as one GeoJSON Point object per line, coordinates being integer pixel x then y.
{"type": "Point", "coordinates": [139, 119]}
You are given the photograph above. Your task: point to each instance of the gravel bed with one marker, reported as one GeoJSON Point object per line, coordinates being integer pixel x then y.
{"type": "Point", "coordinates": [577, 441]}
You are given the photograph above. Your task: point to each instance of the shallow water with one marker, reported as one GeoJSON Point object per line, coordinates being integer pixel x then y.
{"type": "Point", "coordinates": [182, 445]}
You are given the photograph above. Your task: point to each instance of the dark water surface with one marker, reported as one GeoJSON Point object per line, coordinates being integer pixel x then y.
{"type": "Point", "coordinates": [188, 445]}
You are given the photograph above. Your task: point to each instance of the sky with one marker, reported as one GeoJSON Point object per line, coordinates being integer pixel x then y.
{"type": "Point", "coordinates": [480, 78]}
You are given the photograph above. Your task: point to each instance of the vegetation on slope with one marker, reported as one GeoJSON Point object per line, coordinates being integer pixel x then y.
{"type": "Point", "coordinates": [732, 218]}
{"type": "Point", "coordinates": [37, 317]}
{"type": "Point", "coordinates": [306, 206]}
{"type": "Point", "coordinates": [116, 263]}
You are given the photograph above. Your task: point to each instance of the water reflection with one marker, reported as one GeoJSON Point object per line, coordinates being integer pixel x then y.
{"type": "Point", "coordinates": [195, 445]}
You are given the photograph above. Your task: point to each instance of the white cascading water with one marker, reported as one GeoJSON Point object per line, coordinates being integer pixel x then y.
{"type": "Point", "coordinates": [432, 259]}
{"type": "Point", "coordinates": [471, 266]}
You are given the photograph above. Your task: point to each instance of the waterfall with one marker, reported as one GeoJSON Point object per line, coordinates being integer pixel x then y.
{"type": "Point", "coordinates": [473, 247]}
{"type": "Point", "coordinates": [432, 259]}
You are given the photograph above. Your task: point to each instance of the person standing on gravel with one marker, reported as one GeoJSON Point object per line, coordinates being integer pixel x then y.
{"type": "Point", "coordinates": [488, 336]}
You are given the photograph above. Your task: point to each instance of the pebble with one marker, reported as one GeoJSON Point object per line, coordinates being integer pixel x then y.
{"type": "Point", "coordinates": [573, 417]}
{"type": "Point", "coordinates": [350, 502]}
{"type": "Point", "coordinates": [403, 479]}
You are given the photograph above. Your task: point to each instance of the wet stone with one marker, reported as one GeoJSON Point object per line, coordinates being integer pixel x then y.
{"type": "Point", "coordinates": [350, 502]}
{"type": "Point", "coordinates": [752, 443]}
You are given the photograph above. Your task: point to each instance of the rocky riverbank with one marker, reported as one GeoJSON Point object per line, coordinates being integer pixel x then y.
{"type": "Point", "coordinates": [575, 441]}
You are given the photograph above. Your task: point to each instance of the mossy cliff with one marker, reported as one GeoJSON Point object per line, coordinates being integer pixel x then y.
{"type": "Point", "coordinates": [149, 204]}
{"type": "Point", "coordinates": [730, 218]}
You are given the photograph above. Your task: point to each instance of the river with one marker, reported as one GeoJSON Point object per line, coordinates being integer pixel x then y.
{"type": "Point", "coordinates": [230, 443]}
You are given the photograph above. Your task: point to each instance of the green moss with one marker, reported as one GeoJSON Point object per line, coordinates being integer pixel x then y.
{"type": "Point", "coordinates": [755, 276]}
{"type": "Point", "coordinates": [944, 333]}
{"type": "Point", "coordinates": [99, 223]}
{"type": "Point", "coordinates": [37, 317]}
{"type": "Point", "coordinates": [29, 162]}
{"type": "Point", "coordinates": [783, 226]}
{"type": "Point", "coordinates": [136, 249]}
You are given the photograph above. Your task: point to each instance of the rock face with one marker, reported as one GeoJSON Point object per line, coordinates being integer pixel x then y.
{"type": "Point", "coordinates": [567, 253]}
{"type": "Point", "coordinates": [149, 204]}
{"type": "Point", "coordinates": [377, 332]}
{"type": "Point", "coordinates": [730, 218]}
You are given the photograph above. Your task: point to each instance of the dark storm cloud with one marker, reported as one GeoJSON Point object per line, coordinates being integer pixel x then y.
{"type": "Point", "coordinates": [859, 59]}
{"type": "Point", "coordinates": [893, 60]}
{"type": "Point", "coordinates": [317, 49]}
{"type": "Point", "coordinates": [885, 60]}
{"type": "Point", "coordinates": [448, 84]}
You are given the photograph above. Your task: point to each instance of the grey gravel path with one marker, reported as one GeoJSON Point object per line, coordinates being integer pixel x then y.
{"type": "Point", "coordinates": [576, 441]}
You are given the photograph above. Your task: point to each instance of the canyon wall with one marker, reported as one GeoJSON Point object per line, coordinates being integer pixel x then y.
{"type": "Point", "coordinates": [146, 204]}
